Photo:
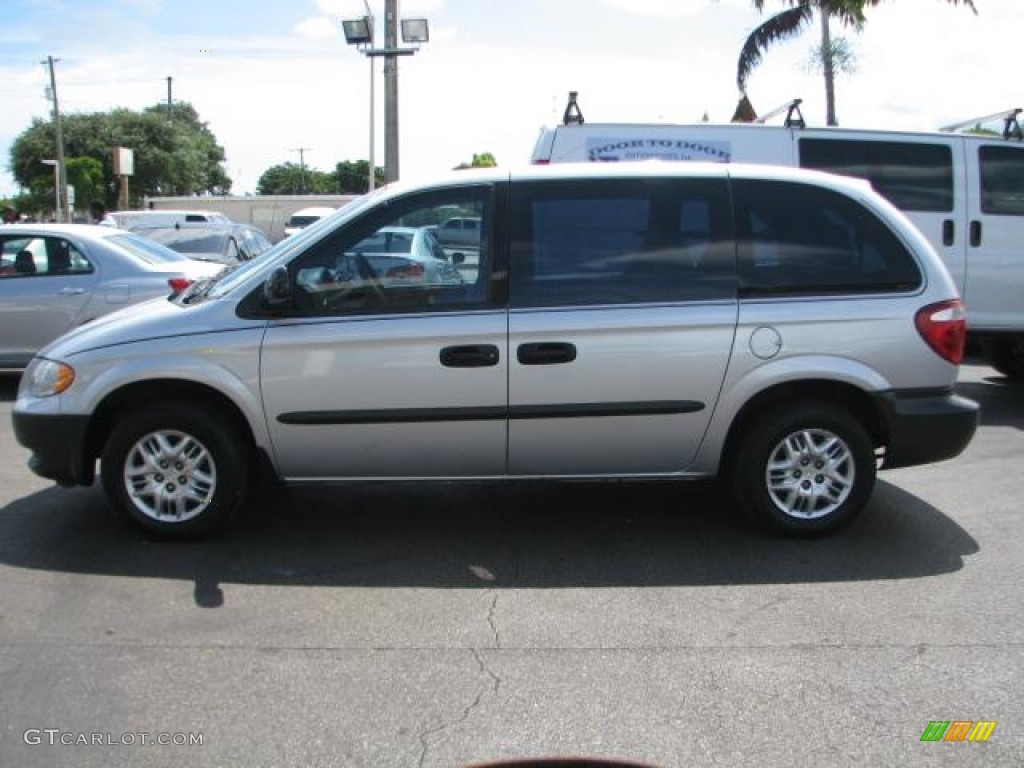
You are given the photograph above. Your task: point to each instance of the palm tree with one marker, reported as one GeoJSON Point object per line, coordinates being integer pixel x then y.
{"type": "Point", "coordinates": [792, 21]}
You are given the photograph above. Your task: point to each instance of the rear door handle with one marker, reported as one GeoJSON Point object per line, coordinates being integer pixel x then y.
{"type": "Point", "coordinates": [470, 356]}
{"type": "Point", "coordinates": [948, 232]}
{"type": "Point", "coordinates": [71, 291]}
{"type": "Point", "coordinates": [546, 353]}
{"type": "Point", "coordinates": [975, 233]}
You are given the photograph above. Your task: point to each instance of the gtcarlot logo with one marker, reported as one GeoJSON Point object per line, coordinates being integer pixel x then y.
{"type": "Point", "coordinates": [57, 737]}
{"type": "Point", "coordinates": [958, 730]}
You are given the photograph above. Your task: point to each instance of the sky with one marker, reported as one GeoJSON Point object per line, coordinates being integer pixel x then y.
{"type": "Point", "coordinates": [273, 78]}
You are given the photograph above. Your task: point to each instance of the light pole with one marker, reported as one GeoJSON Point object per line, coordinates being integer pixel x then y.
{"type": "Point", "coordinates": [62, 180]}
{"type": "Point", "coordinates": [359, 32]}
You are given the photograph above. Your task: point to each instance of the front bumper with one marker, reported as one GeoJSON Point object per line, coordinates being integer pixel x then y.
{"type": "Point", "coordinates": [58, 446]}
{"type": "Point", "coordinates": [923, 427]}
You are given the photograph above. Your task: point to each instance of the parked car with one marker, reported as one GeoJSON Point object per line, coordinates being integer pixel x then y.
{"type": "Point", "coordinates": [459, 232]}
{"type": "Point", "coordinates": [303, 217]}
{"type": "Point", "coordinates": [54, 277]}
{"type": "Point", "coordinates": [409, 253]}
{"type": "Point", "coordinates": [787, 330]}
{"type": "Point", "coordinates": [166, 218]}
{"type": "Point", "coordinates": [223, 243]}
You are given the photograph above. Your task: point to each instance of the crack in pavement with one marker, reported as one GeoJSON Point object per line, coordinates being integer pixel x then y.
{"type": "Point", "coordinates": [493, 685]}
{"type": "Point", "coordinates": [492, 622]}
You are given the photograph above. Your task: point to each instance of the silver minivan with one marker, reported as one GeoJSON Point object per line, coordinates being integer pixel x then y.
{"type": "Point", "coordinates": [789, 330]}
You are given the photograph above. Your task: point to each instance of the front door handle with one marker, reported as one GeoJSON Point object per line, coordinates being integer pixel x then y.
{"type": "Point", "coordinates": [71, 291]}
{"type": "Point", "coordinates": [546, 353]}
{"type": "Point", "coordinates": [975, 233]}
{"type": "Point", "coordinates": [470, 356]}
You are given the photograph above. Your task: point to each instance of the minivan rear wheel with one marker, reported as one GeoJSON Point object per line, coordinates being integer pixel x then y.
{"type": "Point", "coordinates": [805, 471]}
{"type": "Point", "coordinates": [176, 469]}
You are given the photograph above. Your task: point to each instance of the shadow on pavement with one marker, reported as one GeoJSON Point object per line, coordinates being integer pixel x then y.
{"type": "Point", "coordinates": [1001, 400]}
{"type": "Point", "coordinates": [480, 535]}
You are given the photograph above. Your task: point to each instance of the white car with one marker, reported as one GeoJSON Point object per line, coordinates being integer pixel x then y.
{"type": "Point", "coordinates": [54, 277]}
{"type": "Point", "coordinates": [303, 217]}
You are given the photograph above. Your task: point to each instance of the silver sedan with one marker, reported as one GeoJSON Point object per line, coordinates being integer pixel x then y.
{"type": "Point", "coordinates": [54, 277]}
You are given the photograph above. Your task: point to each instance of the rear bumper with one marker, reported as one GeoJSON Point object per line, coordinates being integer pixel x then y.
{"type": "Point", "coordinates": [57, 443]}
{"type": "Point", "coordinates": [924, 427]}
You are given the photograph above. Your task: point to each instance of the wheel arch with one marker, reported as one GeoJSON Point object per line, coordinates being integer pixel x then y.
{"type": "Point", "coordinates": [143, 394]}
{"type": "Point", "coordinates": [854, 400]}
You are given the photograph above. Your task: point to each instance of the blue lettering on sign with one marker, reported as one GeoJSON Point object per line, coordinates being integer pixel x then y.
{"type": "Point", "coordinates": [611, 150]}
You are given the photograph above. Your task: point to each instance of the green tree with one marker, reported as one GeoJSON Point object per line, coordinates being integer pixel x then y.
{"type": "Point", "coordinates": [295, 179]}
{"type": "Point", "coordinates": [353, 176]}
{"type": "Point", "coordinates": [85, 174]}
{"type": "Point", "coordinates": [792, 21]}
{"type": "Point", "coordinates": [174, 153]}
{"type": "Point", "coordinates": [483, 160]}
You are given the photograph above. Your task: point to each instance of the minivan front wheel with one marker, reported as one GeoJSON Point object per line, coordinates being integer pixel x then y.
{"type": "Point", "coordinates": [177, 470]}
{"type": "Point", "coordinates": [805, 471]}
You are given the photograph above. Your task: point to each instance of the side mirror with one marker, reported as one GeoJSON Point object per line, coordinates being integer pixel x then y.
{"type": "Point", "coordinates": [277, 289]}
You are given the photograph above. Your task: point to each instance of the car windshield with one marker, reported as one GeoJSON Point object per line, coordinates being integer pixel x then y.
{"type": "Point", "coordinates": [149, 251]}
{"type": "Point", "coordinates": [302, 221]}
{"type": "Point", "coordinates": [386, 241]}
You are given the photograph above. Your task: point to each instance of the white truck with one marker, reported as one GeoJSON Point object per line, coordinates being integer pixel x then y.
{"type": "Point", "coordinates": [964, 191]}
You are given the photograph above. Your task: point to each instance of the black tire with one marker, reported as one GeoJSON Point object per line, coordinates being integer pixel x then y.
{"type": "Point", "coordinates": [206, 463]}
{"type": "Point", "coordinates": [1007, 357]}
{"type": "Point", "coordinates": [824, 474]}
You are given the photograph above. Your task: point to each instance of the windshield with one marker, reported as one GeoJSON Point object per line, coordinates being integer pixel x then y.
{"type": "Point", "coordinates": [147, 250]}
{"type": "Point", "coordinates": [302, 221]}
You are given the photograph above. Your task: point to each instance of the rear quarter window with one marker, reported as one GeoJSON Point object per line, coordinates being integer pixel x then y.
{"type": "Point", "coordinates": [797, 238]}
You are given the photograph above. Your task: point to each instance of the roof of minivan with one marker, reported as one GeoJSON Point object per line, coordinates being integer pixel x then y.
{"type": "Point", "coordinates": [631, 169]}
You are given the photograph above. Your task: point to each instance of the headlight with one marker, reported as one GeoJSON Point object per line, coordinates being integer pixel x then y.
{"type": "Point", "coordinates": [44, 378]}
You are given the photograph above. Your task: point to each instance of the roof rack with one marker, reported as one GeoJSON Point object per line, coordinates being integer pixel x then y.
{"type": "Point", "coordinates": [794, 117]}
{"type": "Point", "coordinates": [572, 112]}
{"type": "Point", "coordinates": [1011, 125]}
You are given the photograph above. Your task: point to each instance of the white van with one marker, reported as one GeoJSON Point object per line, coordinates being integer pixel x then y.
{"type": "Point", "coordinates": [964, 192]}
{"type": "Point", "coordinates": [303, 217]}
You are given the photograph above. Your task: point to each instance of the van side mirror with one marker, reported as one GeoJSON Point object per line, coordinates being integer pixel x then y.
{"type": "Point", "coordinates": [277, 289]}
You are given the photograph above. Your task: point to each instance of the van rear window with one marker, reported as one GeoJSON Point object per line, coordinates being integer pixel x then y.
{"type": "Point", "coordinates": [912, 175]}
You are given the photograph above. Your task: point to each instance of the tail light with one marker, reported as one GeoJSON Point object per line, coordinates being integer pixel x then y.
{"type": "Point", "coordinates": [542, 161]}
{"type": "Point", "coordinates": [178, 284]}
{"type": "Point", "coordinates": [944, 327]}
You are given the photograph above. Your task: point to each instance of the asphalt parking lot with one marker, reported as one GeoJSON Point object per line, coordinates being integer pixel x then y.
{"type": "Point", "coordinates": [444, 625]}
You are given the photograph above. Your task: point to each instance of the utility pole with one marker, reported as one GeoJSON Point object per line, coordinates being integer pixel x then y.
{"type": "Point", "coordinates": [390, 91]}
{"type": "Point", "coordinates": [62, 213]}
{"type": "Point", "coordinates": [169, 102]}
{"type": "Point", "coordinates": [302, 168]}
